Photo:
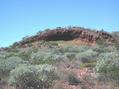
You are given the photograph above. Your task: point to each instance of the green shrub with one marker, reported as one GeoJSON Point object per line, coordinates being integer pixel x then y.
{"type": "Point", "coordinates": [48, 44]}
{"type": "Point", "coordinates": [10, 63]}
{"type": "Point", "coordinates": [107, 61]}
{"type": "Point", "coordinates": [4, 54]}
{"type": "Point", "coordinates": [116, 46]}
{"type": "Point", "coordinates": [45, 58]}
{"type": "Point", "coordinates": [86, 56]}
{"type": "Point", "coordinates": [35, 77]}
{"type": "Point", "coordinates": [72, 79]}
{"type": "Point", "coordinates": [41, 58]}
{"type": "Point", "coordinates": [26, 55]}
{"type": "Point", "coordinates": [70, 55]}
{"type": "Point", "coordinates": [72, 49]}
{"type": "Point", "coordinates": [103, 49]}
{"type": "Point", "coordinates": [100, 49]}
{"type": "Point", "coordinates": [108, 65]}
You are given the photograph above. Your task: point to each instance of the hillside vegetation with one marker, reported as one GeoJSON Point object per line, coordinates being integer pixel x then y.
{"type": "Point", "coordinates": [62, 58]}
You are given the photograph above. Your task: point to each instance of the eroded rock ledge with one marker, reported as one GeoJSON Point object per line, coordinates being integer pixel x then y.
{"type": "Point", "coordinates": [71, 33]}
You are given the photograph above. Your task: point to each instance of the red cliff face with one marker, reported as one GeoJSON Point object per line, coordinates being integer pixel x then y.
{"type": "Point", "coordinates": [70, 34]}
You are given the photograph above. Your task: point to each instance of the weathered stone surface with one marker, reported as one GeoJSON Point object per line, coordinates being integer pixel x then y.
{"type": "Point", "coordinates": [70, 34]}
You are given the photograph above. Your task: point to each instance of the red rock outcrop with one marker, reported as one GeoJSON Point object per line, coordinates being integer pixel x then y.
{"type": "Point", "coordinates": [71, 33]}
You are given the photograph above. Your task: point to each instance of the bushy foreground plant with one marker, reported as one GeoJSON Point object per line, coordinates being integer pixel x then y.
{"type": "Point", "coordinates": [108, 65]}
{"type": "Point", "coordinates": [6, 65]}
{"type": "Point", "coordinates": [34, 77]}
{"type": "Point", "coordinates": [106, 61]}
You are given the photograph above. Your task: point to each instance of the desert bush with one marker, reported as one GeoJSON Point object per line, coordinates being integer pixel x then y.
{"type": "Point", "coordinates": [6, 65]}
{"type": "Point", "coordinates": [4, 54]}
{"type": "Point", "coordinates": [83, 48]}
{"type": "Point", "coordinates": [72, 49]}
{"type": "Point", "coordinates": [103, 49]}
{"type": "Point", "coordinates": [25, 54]}
{"type": "Point", "coordinates": [49, 59]}
{"type": "Point", "coordinates": [116, 45]}
{"type": "Point", "coordinates": [49, 44]}
{"type": "Point", "coordinates": [45, 57]}
{"type": "Point", "coordinates": [42, 58]}
{"type": "Point", "coordinates": [70, 55]}
{"type": "Point", "coordinates": [101, 43]}
{"type": "Point", "coordinates": [35, 77]}
{"type": "Point", "coordinates": [72, 79]}
{"type": "Point", "coordinates": [108, 65]}
{"type": "Point", "coordinates": [37, 58]}
{"type": "Point", "coordinates": [106, 61]}
{"type": "Point", "coordinates": [86, 56]}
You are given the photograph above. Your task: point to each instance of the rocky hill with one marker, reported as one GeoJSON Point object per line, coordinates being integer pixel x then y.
{"type": "Point", "coordinates": [71, 33]}
{"type": "Point", "coordinates": [62, 58]}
